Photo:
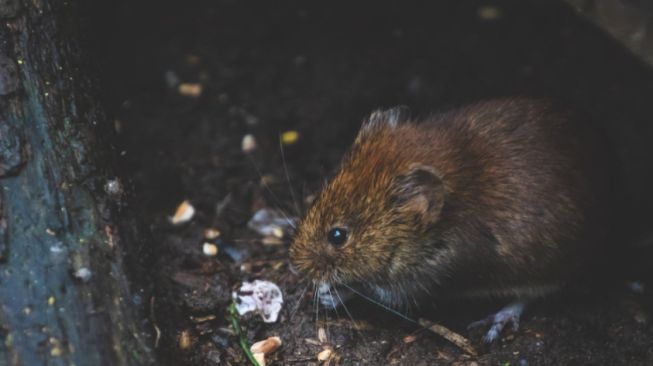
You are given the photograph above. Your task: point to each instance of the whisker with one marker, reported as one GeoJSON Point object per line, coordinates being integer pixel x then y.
{"type": "Point", "coordinates": [285, 169]}
{"type": "Point", "coordinates": [391, 310]}
{"type": "Point", "coordinates": [344, 306]}
{"type": "Point", "coordinates": [274, 196]}
{"type": "Point", "coordinates": [299, 301]}
{"type": "Point", "coordinates": [317, 308]}
{"type": "Point", "coordinates": [333, 302]}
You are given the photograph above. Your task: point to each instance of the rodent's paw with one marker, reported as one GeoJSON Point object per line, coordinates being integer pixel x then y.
{"type": "Point", "coordinates": [498, 321]}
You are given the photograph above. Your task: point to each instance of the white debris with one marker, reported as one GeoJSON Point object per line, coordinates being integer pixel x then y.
{"type": "Point", "coordinates": [263, 297]}
{"type": "Point", "coordinates": [185, 212]}
{"type": "Point", "coordinates": [210, 249]}
{"type": "Point", "coordinates": [248, 144]}
{"type": "Point", "coordinates": [113, 187]}
{"type": "Point", "coordinates": [211, 233]}
{"type": "Point", "coordinates": [269, 222]}
{"type": "Point", "coordinates": [83, 274]}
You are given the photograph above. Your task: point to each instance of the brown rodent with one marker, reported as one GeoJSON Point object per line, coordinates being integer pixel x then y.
{"type": "Point", "coordinates": [500, 198]}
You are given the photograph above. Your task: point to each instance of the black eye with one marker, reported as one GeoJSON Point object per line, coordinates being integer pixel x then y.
{"type": "Point", "coordinates": [337, 236]}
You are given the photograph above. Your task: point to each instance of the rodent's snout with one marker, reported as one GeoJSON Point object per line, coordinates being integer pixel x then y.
{"type": "Point", "coordinates": [307, 260]}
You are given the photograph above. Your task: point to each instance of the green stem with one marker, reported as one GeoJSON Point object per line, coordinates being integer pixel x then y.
{"type": "Point", "coordinates": [233, 316]}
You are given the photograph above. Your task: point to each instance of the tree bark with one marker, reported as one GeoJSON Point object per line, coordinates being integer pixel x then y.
{"type": "Point", "coordinates": [64, 295]}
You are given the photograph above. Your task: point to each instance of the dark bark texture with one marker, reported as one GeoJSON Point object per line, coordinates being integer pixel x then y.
{"type": "Point", "coordinates": [64, 296]}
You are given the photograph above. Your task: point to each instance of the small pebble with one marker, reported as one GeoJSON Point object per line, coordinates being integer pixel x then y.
{"type": "Point", "coordinates": [113, 187]}
{"type": "Point", "coordinates": [83, 274]}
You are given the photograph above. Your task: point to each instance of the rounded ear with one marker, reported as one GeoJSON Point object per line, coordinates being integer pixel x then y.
{"type": "Point", "coordinates": [380, 119]}
{"type": "Point", "coordinates": [419, 191]}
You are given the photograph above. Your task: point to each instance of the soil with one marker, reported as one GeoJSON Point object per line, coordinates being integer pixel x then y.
{"type": "Point", "coordinates": [318, 68]}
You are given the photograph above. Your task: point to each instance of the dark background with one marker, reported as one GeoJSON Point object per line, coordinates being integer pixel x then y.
{"type": "Point", "coordinates": [319, 68]}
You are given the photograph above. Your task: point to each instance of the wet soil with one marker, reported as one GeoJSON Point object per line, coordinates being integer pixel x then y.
{"type": "Point", "coordinates": [318, 68]}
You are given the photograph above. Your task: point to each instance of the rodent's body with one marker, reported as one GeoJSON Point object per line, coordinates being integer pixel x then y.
{"type": "Point", "coordinates": [499, 198]}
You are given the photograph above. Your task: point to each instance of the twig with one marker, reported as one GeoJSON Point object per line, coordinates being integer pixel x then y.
{"type": "Point", "coordinates": [157, 330]}
{"type": "Point", "coordinates": [453, 337]}
{"type": "Point", "coordinates": [233, 316]}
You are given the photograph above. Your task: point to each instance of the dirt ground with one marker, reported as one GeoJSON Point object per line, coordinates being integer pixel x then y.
{"type": "Point", "coordinates": [318, 68]}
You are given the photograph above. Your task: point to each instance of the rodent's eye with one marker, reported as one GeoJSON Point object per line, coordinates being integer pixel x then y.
{"type": "Point", "coordinates": [337, 236]}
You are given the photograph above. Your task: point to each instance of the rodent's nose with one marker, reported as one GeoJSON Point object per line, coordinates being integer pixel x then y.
{"type": "Point", "coordinates": [310, 261]}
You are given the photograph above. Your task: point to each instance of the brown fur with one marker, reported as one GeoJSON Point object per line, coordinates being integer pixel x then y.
{"type": "Point", "coordinates": [498, 198]}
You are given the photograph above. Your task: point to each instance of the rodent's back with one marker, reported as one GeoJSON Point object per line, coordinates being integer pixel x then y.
{"type": "Point", "coordinates": [529, 171]}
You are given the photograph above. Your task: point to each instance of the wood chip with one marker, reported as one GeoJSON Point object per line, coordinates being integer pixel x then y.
{"type": "Point", "coordinates": [321, 335]}
{"type": "Point", "coordinates": [193, 90]}
{"type": "Point", "coordinates": [266, 346]}
{"type": "Point", "coordinates": [324, 355]}
{"type": "Point", "coordinates": [410, 339]}
{"type": "Point", "coordinates": [202, 319]}
{"type": "Point", "coordinates": [453, 337]}
{"type": "Point", "coordinates": [211, 233]}
{"type": "Point", "coordinates": [184, 213]}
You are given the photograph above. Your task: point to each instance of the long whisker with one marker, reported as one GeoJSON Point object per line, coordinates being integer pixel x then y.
{"type": "Point", "coordinates": [285, 169]}
{"type": "Point", "coordinates": [317, 308]}
{"type": "Point", "coordinates": [274, 196]}
{"type": "Point", "coordinates": [333, 302]}
{"type": "Point", "coordinates": [344, 306]}
{"type": "Point", "coordinates": [393, 311]}
{"type": "Point", "coordinates": [299, 301]}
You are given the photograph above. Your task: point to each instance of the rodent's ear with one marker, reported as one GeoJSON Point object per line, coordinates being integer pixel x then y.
{"type": "Point", "coordinates": [419, 191]}
{"type": "Point", "coordinates": [380, 119]}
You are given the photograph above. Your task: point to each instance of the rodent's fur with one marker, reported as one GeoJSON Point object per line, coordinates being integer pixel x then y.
{"type": "Point", "coordinates": [499, 198]}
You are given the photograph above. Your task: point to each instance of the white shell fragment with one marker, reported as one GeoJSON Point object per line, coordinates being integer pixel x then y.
{"type": "Point", "coordinates": [185, 212]}
{"type": "Point", "coordinates": [263, 297]}
{"type": "Point", "coordinates": [269, 222]}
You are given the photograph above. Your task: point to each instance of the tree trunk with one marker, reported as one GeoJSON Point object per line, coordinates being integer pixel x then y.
{"type": "Point", "coordinates": [64, 296]}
